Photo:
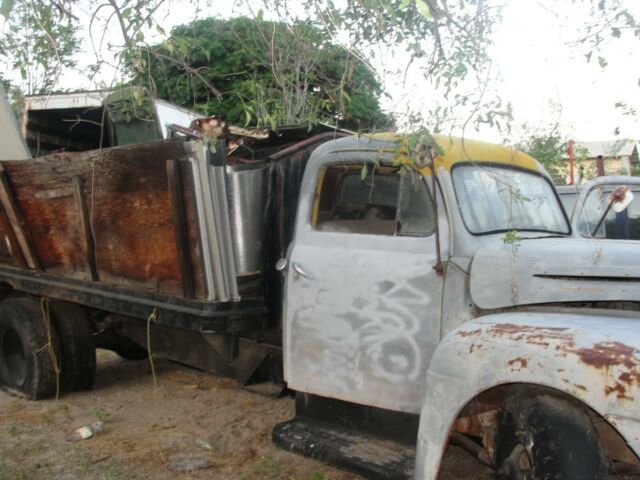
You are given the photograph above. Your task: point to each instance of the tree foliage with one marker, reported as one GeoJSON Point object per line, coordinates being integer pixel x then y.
{"type": "Point", "coordinates": [262, 73]}
{"type": "Point", "coordinates": [547, 145]}
{"type": "Point", "coordinates": [449, 42]}
{"type": "Point", "coordinates": [38, 44]}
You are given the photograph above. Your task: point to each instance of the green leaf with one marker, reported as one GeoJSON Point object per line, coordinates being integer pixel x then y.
{"type": "Point", "coordinates": [6, 7]}
{"type": "Point", "coordinates": [588, 56]}
{"type": "Point", "coordinates": [364, 172]}
{"type": "Point", "coordinates": [160, 30]}
{"type": "Point", "coordinates": [423, 8]}
{"type": "Point", "coordinates": [602, 62]}
{"type": "Point", "coordinates": [404, 4]}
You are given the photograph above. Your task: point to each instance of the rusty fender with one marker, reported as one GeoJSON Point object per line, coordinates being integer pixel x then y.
{"type": "Point", "coordinates": [594, 358]}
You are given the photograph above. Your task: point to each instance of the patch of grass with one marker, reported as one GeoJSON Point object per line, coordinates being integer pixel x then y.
{"type": "Point", "coordinates": [267, 467]}
{"type": "Point", "coordinates": [12, 431]}
{"type": "Point", "coordinates": [101, 414]}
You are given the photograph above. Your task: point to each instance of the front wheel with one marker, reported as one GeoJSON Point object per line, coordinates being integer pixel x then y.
{"type": "Point", "coordinates": [544, 437]}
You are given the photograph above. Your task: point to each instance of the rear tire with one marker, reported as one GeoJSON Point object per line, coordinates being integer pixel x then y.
{"type": "Point", "coordinates": [26, 363]}
{"type": "Point", "coordinates": [76, 345]}
{"type": "Point", "coordinates": [543, 436]}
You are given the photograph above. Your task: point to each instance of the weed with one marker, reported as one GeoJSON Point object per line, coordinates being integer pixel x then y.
{"type": "Point", "coordinates": [266, 467]}
{"type": "Point", "coordinates": [101, 414]}
{"type": "Point", "coordinates": [13, 430]}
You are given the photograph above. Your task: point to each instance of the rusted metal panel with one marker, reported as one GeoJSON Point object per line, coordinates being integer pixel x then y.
{"type": "Point", "coordinates": [592, 357]}
{"type": "Point", "coordinates": [128, 214]}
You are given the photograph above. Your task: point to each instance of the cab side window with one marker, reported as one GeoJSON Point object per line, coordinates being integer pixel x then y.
{"type": "Point", "coordinates": [378, 203]}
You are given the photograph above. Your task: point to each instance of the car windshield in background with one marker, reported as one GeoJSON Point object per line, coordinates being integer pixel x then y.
{"type": "Point", "coordinates": [568, 200]}
{"type": "Point", "coordinates": [618, 226]}
{"type": "Point", "coordinates": [497, 199]}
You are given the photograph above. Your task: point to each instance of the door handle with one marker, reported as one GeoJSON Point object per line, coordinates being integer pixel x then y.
{"type": "Point", "coordinates": [298, 271]}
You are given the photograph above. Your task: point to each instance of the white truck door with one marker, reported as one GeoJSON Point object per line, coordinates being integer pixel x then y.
{"type": "Point", "coordinates": [362, 308]}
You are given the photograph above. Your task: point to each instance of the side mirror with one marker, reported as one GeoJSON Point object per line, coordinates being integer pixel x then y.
{"type": "Point", "coordinates": [620, 198]}
{"type": "Point", "coordinates": [281, 265]}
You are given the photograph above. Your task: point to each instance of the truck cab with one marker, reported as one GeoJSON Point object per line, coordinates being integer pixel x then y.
{"type": "Point", "coordinates": [439, 304]}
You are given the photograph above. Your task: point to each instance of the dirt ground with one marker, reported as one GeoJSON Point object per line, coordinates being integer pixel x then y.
{"type": "Point", "coordinates": [193, 416]}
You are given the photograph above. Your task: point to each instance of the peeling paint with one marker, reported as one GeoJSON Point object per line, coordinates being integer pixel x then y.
{"type": "Point", "coordinates": [518, 363]}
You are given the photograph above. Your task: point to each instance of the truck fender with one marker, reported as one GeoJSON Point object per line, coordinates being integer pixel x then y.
{"type": "Point", "coordinates": [594, 358]}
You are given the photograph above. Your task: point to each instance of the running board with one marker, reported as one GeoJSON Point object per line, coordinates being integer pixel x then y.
{"type": "Point", "coordinates": [371, 456]}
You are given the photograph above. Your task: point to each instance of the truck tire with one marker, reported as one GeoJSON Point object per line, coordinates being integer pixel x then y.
{"type": "Point", "coordinates": [76, 345]}
{"type": "Point", "coordinates": [541, 436]}
{"type": "Point", "coordinates": [26, 363]}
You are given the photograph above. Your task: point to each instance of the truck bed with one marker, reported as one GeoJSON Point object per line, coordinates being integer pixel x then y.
{"type": "Point", "coordinates": [115, 229]}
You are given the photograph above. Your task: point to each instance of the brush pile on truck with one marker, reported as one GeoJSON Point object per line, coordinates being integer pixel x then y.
{"type": "Point", "coordinates": [411, 294]}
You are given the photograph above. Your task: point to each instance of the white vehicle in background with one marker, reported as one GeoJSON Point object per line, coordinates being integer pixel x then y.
{"type": "Point", "coordinates": [592, 214]}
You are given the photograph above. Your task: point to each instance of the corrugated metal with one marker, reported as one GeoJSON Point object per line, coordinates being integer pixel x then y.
{"type": "Point", "coordinates": [13, 147]}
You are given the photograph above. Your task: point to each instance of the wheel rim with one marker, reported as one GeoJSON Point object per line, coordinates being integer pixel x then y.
{"type": "Point", "coordinates": [13, 358]}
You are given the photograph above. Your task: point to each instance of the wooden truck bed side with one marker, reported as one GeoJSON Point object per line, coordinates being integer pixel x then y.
{"type": "Point", "coordinates": [112, 225]}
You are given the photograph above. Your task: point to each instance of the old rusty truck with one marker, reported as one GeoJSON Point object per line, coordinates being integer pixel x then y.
{"type": "Point", "coordinates": [412, 293]}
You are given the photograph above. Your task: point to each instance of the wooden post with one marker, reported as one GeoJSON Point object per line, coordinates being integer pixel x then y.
{"type": "Point", "coordinates": [88, 242]}
{"type": "Point", "coordinates": [17, 222]}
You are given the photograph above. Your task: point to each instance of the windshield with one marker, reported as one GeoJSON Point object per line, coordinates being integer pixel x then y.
{"type": "Point", "coordinates": [568, 200]}
{"type": "Point", "coordinates": [498, 199]}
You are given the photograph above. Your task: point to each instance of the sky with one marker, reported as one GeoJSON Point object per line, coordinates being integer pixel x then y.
{"type": "Point", "coordinates": [546, 77]}
{"type": "Point", "coordinates": [539, 65]}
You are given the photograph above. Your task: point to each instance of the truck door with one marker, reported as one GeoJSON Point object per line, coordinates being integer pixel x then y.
{"type": "Point", "coordinates": [362, 308]}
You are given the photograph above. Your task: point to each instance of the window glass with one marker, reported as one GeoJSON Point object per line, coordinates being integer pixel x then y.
{"type": "Point", "coordinates": [568, 200]}
{"type": "Point", "coordinates": [380, 203]}
{"type": "Point", "coordinates": [415, 214]}
{"type": "Point", "coordinates": [494, 199]}
{"type": "Point", "coordinates": [349, 203]}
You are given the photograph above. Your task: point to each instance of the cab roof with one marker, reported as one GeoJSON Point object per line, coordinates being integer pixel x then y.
{"type": "Point", "coordinates": [454, 150]}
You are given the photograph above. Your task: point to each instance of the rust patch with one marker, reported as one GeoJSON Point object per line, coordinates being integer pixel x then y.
{"type": "Point", "coordinates": [472, 333]}
{"type": "Point", "coordinates": [512, 328]}
{"type": "Point", "coordinates": [609, 354]}
{"type": "Point", "coordinates": [518, 363]}
{"type": "Point", "coordinates": [618, 389]}
{"type": "Point", "coordinates": [539, 336]}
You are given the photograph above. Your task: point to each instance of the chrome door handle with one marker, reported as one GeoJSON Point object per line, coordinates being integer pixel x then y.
{"type": "Point", "coordinates": [299, 271]}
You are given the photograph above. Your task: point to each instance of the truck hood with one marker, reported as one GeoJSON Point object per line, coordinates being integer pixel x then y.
{"type": "Point", "coordinates": [548, 270]}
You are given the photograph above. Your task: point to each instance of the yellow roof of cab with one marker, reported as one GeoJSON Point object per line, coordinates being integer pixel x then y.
{"type": "Point", "coordinates": [459, 150]}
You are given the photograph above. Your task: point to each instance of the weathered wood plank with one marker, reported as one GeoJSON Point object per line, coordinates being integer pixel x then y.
{"type": "Point", "coordinates": [127, 208]}
{"type": "Point", "coordinates": [17, 222]}
{"type": "Point", "coordinates": [85, 228]}
{"type": "Point", "coordinates": [7, 232]}
{"type": "Point", "coordinates": [180, 227]}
